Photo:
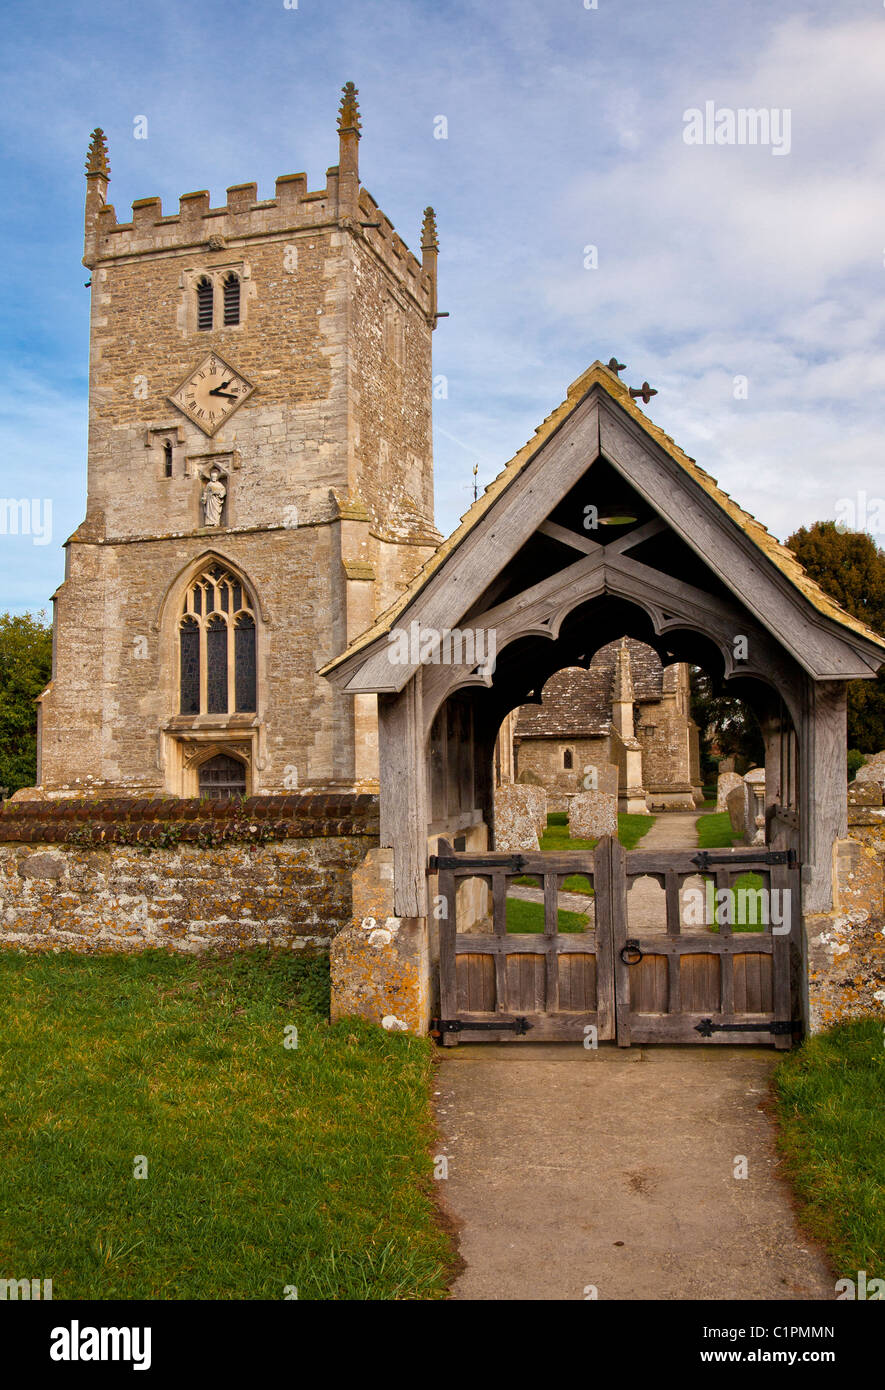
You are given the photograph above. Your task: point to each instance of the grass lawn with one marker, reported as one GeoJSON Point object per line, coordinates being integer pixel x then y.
{"type": "Point", "coordinates": [631, 828]}
{"type": "Point", "coordinates": [529, 917]}
{"type": "Point", "coordinates": [830, 1100]}
{"type": "Point", "coordinates": [715, 832]}
{"type": "Point", "coordinates": [268, 1165]}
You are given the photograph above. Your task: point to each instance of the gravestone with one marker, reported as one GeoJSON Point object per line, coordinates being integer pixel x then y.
{"type": "Point", "coordinates": [536, 804]}
{"type": "Point", "coordinates": [516, 818]}
{"type": "Point", "coordinates": [736, 805]}
{"type": "Point", "coordinates": [592, 814]}
{"type": "Point", "coordinates": [873, 769]}
{"type": "Point", "coordinates": [726, 782]}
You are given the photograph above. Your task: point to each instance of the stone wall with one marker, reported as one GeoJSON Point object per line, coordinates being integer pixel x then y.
{"type": "Point", "coordinates": [543, 757]}
{"type": "Point", "coordinates": [846, 947]}
{"type": "Point", "coordinates": [116, 875]}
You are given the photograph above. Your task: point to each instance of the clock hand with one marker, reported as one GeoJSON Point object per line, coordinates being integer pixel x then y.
{"type": "Point", "coordinates": [228, 395]}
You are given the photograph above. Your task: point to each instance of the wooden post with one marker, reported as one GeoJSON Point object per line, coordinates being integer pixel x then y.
{"type": "Point", "coordinates": [404, 817]}
{"type": "Point", "coordinates": [823, 789]}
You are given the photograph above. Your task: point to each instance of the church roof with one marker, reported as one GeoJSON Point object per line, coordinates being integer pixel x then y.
{"type": "Point", "coordinates": [600, 375]}
{"type": "Point", "coordinates": [577, 702]}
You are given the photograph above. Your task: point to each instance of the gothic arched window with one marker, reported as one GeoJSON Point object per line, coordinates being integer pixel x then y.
{"type": "Point", "coordinates": [205, 297]}
{"type": "Point", "coordinates": [217, 664]}
{"type": "Point", "coordinates": [232, 299]}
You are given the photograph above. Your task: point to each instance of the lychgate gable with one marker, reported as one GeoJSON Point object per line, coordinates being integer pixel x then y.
{"type": "Point", "coordinates": [602, 528]}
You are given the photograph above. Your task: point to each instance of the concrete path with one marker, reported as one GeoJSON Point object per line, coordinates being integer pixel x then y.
{"type": "Point", "coordinates": [672, 830]}
{"type": "Point", "coordinates": [646, 899]}
{"type": "Point", "coordinates": [615, 1168]}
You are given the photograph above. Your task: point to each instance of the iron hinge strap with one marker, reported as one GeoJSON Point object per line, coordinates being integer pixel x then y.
{"type": "Point", "coordinates": [707, 1027]}
{"type": "Point", "coordinates": [439, 1026]}
{"type": "Point", "coordinates": [705, 860]}
{"type": "Point", "coordinates": [513, 863]}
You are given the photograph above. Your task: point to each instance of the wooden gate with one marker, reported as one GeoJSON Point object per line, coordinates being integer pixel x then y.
{"type": "Point", "coordinates": [705, 956]}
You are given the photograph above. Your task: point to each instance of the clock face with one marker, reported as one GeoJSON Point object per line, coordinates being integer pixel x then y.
{"type": "Point", "coordinates": [211, 393]}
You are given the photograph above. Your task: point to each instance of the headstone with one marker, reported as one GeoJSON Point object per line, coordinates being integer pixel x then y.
{"type": "Point", "coordinates": [515, 822]}
{"type": "Point", "coordinates": [592, 814]}
{"type": "Point", "coordinates": [736, 805]}
{"type": "Point", "coordinates": [726, 782]}
{"type": "Point", "coordinates": [873, 769]}
{"type": "Point", "coordinates": [865, 794]}
{"type": "Point", "coordinates": [536, 804]}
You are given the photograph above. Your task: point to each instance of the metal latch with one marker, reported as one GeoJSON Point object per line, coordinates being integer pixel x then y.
{"type": "Point", "coordinates": [512, 863]}
{"type": "Point", "coordinates": [707, 1027]}
{"type": "Point", "coordinates": [705, 860]}
{"type": "Point", "coordinates": [439, 1026]}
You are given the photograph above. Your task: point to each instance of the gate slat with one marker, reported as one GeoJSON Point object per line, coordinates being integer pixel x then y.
{"type": "Point", "coordinates": [605, 971]}
{"type": "Point", "coordinates": [618, 899]}
{"type": "Point", "coordinates": [551, 932]}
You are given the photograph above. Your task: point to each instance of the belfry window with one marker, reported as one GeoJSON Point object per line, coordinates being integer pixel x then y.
{"type": "Point", "coordinates": [568, 760]}
{"type": "Point", "coordinates": [167, 458]}
{"type": "Point", "coordinates": [217, 655]}
{"type": "Point", "coordinates": [231, 299]}
{"type": "Point", "coordinates": [205, 297]}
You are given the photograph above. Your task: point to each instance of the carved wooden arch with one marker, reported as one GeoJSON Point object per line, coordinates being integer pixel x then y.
{"type": "Point", "coordinates": [669, 604]}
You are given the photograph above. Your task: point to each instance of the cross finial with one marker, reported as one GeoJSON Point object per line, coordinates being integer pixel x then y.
{"type": "Point", "coordinates": [349, 112]}
{"type": "Point", "coordinates": [645, 392]}
{"type": "Point", "coordinates": [97, 155]}
{"type": "Point", "coordinates": [616, 366]}
{"type": "Point", "coordinates": [429, 238]}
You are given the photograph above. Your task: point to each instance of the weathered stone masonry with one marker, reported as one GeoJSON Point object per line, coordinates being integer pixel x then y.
{"type": "Point", "coordinates": [846, 947]}
{"type": "Point", "coordinates": [128, 874]}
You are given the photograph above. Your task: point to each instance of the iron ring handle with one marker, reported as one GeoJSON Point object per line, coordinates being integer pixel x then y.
{"type": "Point", "coordinates": [631, 952]}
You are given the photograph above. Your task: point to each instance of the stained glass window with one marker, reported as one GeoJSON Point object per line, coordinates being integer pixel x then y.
{"type": "Point", "coordinates": [244, 663]}
{"type": "Point", "coordinates": [189, 647]}
{"type": "Point", "coordinates": [216, 666]}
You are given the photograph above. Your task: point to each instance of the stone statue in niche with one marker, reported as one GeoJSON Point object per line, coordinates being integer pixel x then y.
{"type": "Point", "coordinates": [212, 499]}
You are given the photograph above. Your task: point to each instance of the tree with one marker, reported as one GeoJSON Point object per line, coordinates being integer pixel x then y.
{"type": "Point", "coordinates": [850, 567]}
{"type": "Point", "coordinates": [25, 666]}
{"type": "Point", "coordinates": [726, 725]}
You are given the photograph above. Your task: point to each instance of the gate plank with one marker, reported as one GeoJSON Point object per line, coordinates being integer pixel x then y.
{"type": "Point", "coordinates": [618, 899]}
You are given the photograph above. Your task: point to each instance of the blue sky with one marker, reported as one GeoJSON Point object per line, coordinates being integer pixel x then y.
{"type": "Point", "coordinates": [565, 130]}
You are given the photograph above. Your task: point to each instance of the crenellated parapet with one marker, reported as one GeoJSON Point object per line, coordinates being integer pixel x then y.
{"type": "Point", "coordinates": [294, 209]}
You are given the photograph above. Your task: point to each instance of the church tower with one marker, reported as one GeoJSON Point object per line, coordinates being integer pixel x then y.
{"type": "Point", "coordinates": [260, 484]}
